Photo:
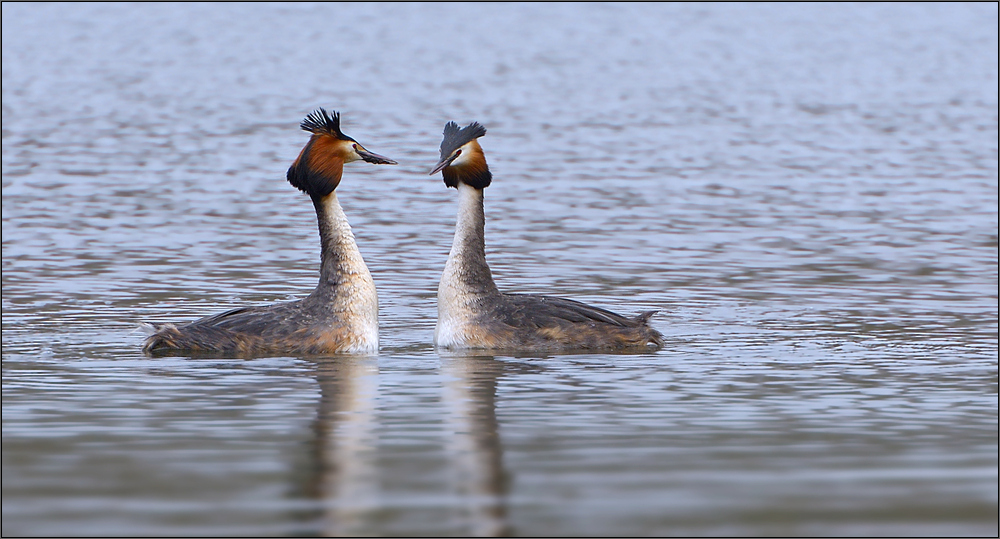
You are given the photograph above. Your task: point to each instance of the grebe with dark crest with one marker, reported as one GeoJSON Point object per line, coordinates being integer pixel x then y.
{"type": "Point", "coordinates": [474, 314]}
{"type": "Point", "coordinates": [341, 314]}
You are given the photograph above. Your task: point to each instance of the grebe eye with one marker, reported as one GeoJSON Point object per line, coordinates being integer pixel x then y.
{"type": "Point", "coordinates": [458, 153]}
{"type": "Point", "coordinates": [355, 147]}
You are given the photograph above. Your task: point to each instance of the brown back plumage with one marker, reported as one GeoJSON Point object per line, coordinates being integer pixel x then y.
{"type": "Point", "coordinates": [552, 323]}
{"type": "Point", "coordinates": [302, 327]}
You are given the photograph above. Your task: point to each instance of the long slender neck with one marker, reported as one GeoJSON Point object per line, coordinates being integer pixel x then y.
{"type": "Point", "coordinates": [340, 257]}
{"type": "Point", "coordinates": [466, 268]}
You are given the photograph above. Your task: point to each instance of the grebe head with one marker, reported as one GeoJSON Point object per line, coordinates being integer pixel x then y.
{"type": "Point", "coordinates": [320, 165]}
{"type": "Point", "coordinates": [462, 158]}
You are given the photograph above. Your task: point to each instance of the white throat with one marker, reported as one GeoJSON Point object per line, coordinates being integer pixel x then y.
{"type": "Point", "coordinates": [466, 280]}
{"type": "Point", "coordinates": [344, 272]}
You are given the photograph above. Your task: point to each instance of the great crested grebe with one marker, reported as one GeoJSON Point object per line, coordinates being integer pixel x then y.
{"type": "Point", "coordinates": [341, 314]}
{"type": "Point", "coordinates": [474, 314]}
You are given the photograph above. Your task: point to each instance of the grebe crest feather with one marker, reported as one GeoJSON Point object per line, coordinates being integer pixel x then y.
{"type": "Point", "coordinates": [320, 122]}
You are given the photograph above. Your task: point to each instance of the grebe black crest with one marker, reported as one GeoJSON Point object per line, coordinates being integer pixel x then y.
{"type": "Point", "coordinates": [341, 314]}
{"type": "Point", "coordinates": [474, 314]}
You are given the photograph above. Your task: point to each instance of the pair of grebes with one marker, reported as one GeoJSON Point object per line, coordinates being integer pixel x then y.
{"type": "Point", "coordinates": [341, 315]}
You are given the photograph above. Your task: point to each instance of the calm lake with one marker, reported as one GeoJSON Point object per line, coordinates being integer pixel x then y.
{"type": "Point", "coordinates": [806, 192]}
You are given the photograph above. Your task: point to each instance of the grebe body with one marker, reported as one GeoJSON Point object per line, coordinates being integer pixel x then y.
{"type": "Point", "coordinates": [341, 314]}
{"type": "Point", "coordinates": [474, 314]}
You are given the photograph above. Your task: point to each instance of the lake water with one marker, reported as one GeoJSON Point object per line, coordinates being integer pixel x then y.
{"type": "Point", "coordinates": [808, 193]}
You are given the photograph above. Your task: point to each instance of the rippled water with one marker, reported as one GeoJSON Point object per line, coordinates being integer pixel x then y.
{"type": "Point", "coordinates": [808, 193]}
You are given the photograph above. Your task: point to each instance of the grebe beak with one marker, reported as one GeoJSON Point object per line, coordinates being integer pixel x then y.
{"type": "Point", "coordinates": [375, 158]}
{"type": "Point", "coordinates": [442, 164]}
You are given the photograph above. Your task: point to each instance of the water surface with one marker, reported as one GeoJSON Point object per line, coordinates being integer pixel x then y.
{"type": "Point", "coordinates": [807, 193]}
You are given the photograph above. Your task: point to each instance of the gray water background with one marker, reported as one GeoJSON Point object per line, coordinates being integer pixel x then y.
{"type": "Point", "coordinates": [808, 193]}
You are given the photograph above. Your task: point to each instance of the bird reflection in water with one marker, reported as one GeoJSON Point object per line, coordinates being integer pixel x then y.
{"type": "Point", "coordinates": [345, 476]}
{"type": "Point", "coordinates": [353, 490]}
{"type": "Point", "coordinates": [473, 443]}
